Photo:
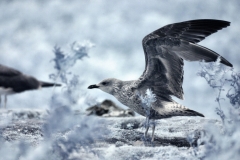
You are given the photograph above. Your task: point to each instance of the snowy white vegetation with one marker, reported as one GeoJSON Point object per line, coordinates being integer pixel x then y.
{"type": "Point", "coordinates": [147, 101]}
{"type": "Point", "coordinates": [76, 132]}
{"type": "Point", "coordinates": [222, 142]}
{"type": "Point", "coordinates": [63, 63]}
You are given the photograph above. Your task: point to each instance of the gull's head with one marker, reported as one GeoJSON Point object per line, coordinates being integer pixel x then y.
{"type": "Point", "coordinates": [106, 85]}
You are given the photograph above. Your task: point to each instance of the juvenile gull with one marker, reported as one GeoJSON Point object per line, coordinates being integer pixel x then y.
{"type": "Point", "coordinates": [165, 49]}
{"type": "Point", "coordinates": [13, 81]}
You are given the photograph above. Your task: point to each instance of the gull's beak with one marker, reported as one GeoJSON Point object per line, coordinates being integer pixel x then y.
{"type": "Point", "coordinates": [93, 86]}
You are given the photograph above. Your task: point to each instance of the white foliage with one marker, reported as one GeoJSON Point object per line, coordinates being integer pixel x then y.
{"type": "Point", "coordinates": [147, 101]}
{"type": "Point", "coordinates": [65, 61]}
{"type": "Point", "coordinates": [214, 73]}
{"type": "Point", "coordinates": [149, 98]}
{"type": "Point", "coordinates": [78, 50]}
{"type": "Point", "coordinates": [223, 143]}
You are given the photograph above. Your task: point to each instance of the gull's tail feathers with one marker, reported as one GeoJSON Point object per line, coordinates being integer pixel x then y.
{"type": "Point", "coordinates": [48, 84]}
{"type": "Point", "coordinates": [194, 113]}
{"type": "Point", "coordinates": [194, 52]}
{"type": "Point", "coordinates": [170, 109]}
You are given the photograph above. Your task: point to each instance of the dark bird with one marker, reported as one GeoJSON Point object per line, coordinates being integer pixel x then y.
{"type": "Point", "coordinates": [165, 49]}
{"type": "Point", "coordinates": [13, 81]}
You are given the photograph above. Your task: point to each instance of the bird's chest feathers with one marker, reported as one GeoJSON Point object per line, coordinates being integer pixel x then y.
{"type": "Point", "coordinates": [127, 91]}
{"type": "Point", "coordinates": [126, 96]}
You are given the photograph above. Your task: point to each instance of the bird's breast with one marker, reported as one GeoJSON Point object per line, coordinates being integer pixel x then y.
{"type": "Point", "coordinates": [131, 100]}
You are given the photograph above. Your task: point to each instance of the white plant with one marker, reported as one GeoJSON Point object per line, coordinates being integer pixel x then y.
{"type": "Point", "coordinates": [223, 142]}
{"type": "Point", "coordinates": [148, 100]}
{"type": "Point", "coordinates": [65, 61]}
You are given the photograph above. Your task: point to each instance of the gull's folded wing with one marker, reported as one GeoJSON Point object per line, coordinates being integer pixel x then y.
{"type": "Point", "coordinates": [8, 72]}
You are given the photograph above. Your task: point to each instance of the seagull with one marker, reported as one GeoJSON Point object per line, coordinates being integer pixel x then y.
{"type": "Point", "coordinates": [13, 81]}
{"type": "Point", "coordinates": [165, 51]}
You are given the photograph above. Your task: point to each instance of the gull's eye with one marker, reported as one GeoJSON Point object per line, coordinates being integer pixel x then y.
{"type": "Point", "coordinates": [104, 83]}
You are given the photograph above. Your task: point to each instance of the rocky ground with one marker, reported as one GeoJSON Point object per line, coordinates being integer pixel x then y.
{"type": "Point", "coordinates": [114, 137]}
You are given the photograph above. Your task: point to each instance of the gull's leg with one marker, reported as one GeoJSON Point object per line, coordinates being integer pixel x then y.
{"type": "Point", "coordinates": [5, 101]}
{"type": "Point", "coordinates": [153, 130]}
{"type": "Point", "coordinates": [145, 134]}
{"type": "Point", "coordinates": [147, 126]}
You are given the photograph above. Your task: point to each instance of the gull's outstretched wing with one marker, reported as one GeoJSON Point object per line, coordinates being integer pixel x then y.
{"type": "Point", "coordinates": [165, 50]}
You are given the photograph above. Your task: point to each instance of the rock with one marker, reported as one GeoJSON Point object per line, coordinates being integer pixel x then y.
{"type": "Point", "coordinates": [23, 114]}
{"type": "Point", "coordinates": [121, 138]}
{"type": "Point", "coordinates": [109, 109]}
